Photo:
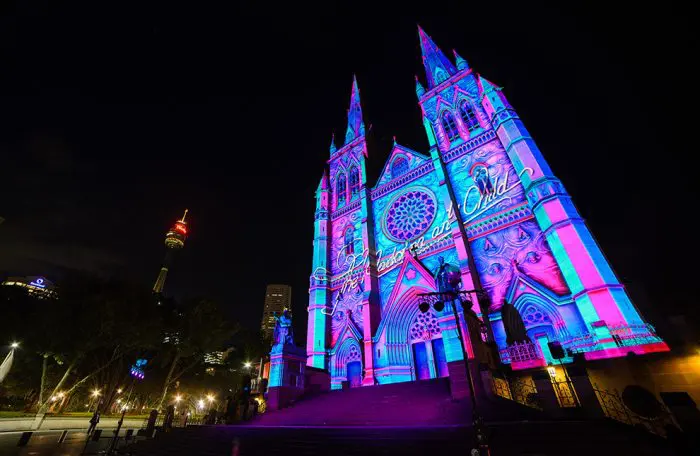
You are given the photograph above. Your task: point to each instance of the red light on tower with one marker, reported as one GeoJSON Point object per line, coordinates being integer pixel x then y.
{"type": "Point", "coordinates": [174, 240]}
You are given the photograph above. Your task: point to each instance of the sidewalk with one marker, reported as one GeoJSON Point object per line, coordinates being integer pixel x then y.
{"type": "Point", "coordinates": [60, 423]}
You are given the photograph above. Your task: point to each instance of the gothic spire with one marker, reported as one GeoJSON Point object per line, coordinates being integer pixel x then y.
{"type": "Point", "coordinates": [460, 62]}
{"type": "Point", "coordinates": [420, 90]}
{"type": "Point", "coordinates": [333, 148]}
{"type": "Point", "coordinates": [323, 184]}
{"type": "Point", "coordinates": [437, 67]}
{"type": "Point", "coordinates": [356, 126]}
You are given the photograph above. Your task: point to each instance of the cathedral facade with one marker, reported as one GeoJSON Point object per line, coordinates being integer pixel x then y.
{"type": "Point", "coordinates": [482, 199]}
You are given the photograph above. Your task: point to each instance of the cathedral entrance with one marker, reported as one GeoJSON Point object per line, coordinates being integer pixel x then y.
{"type": "Point", "coordinates": [355, 374]}
{"type": "Point", "coordinates": [429, 359]}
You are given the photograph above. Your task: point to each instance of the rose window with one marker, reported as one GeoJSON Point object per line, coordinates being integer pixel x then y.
{"type": "Point", "coordinates": [533, 316]}
{"type": "Point", "coordinates": [409, 215]}
{"type": "Point", "coordinates": [425, 326]}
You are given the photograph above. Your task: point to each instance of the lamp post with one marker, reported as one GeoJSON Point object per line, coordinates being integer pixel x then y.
{"type": "Point", "coordinates": [437, 299]}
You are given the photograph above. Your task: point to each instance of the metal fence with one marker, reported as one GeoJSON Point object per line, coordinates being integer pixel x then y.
{"type": "Point", "coordinates": [614, 408]}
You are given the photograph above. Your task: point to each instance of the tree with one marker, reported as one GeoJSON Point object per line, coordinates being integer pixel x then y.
{"type": "Point", "coordinates": [199, 327]}
{"type": "Point", "coordinates": [93, 323]}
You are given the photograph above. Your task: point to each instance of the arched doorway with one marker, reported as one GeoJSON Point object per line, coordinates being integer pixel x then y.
{"type": "Point", "coordinates": [427, 346]}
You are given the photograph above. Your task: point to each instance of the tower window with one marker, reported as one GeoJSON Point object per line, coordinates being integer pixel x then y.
{"type": "Point", "coordinates": [349, 241]}
{"type": "Point", "coordinates": [341, 187]}
{"type": "Point", "coordinates": [468, 116]}
{"type": "Point", "coordinates": [449, 125]}
{"type": "Point", "coordinates": [440, 76]}
{"type": "Point", "coordinates": [399, 167]}
{"type": "Point", "coordinates": [354, 177]}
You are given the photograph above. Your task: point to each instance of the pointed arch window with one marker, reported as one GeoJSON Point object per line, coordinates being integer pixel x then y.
{"type": "Point", "coordinates": [341, 189]}
{"type": "Point", "coordinates": [354, 178]}
{"type": "Point", "coordinates": [349, 241]}
{"type": "Point", "coordinates": [468, 116]}
{"type": "Point", "coordinates": [440, 76]}
{"type": "Point", "coordinates": [399, 167]}
{"type": "Point", "coordinates": [449, 125]}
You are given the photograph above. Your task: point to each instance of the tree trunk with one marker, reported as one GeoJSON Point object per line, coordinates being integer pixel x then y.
{"type": "Point", "coordinates": [168, 378]}
{"type": "Point", "coordinates": [42, 385]}
{"type": "Point", "coordinates": [43, 407]}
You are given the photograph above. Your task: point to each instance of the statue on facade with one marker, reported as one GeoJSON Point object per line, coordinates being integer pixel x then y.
{"type": "Point", "coordinates": [284, 334]}
{"type": "Point", "coordinates": [447, 277]}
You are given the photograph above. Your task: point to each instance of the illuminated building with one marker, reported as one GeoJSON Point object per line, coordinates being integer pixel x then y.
{"type": "Point", "coordinates": [277, 298]}
{"type": "Point", "coordinates": [36, 286]}
{"type": "Point", "coordinates": [174, 241]}
{"type": "Point", "coordinates": [482, 197]}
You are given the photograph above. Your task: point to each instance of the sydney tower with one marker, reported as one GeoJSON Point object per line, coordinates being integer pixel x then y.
{"type": "Point", "coordinates": [174, 241]}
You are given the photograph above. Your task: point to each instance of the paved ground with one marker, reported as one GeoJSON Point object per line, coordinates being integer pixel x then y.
{"type": "Point", "coordinates": [45, 443]}
{"type": "Point", "coordinates": [59, 422]}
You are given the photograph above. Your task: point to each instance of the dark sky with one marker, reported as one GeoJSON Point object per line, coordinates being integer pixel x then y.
{"type": "Point", "coordinates": [115, 116]}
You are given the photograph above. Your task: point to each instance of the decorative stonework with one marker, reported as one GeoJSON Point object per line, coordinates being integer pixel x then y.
{"type": "Point", "coordinates": [409, 215]}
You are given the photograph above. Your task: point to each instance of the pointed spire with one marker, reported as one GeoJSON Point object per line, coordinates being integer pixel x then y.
{"type": "Point", "coordinates": [437, 67]}
{"type": "Point", "coordinates": [356, 126]}
{"type": "Point", "coordinates": [420, 90]}
{"type": "Point", "coordinates": [333, 148]}
{"type": "Point", "coordinates": [460, 62]}
{"type": "Point", "coordinates": [182, 220]}
{"type": "Point", "coordinates": [323, 185]}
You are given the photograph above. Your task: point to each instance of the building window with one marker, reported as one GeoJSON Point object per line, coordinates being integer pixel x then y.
{"type": "Point", "coordinates": [482, 180]}
{"type": "Point", "coordinates": [341, 189]}
{"type": "Point", "coordinates": [440, 76]}
{"type": "Point", "coordinates": [349, 241]}
{"type": "Point", "coordinates": [449, 125]}
{"type": "Point", "coordinates": [354, 177]}
{"type": "Point", "coordinates": [399, 167]}
{"type": "Point", "coordinates": [468, 116]}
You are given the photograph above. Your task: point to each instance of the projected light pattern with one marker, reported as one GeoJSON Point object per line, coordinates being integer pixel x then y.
{"type": "Point", "coordinates": [483, 189]}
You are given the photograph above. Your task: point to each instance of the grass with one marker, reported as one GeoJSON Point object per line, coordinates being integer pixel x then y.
{"type": "Point", "coordinates": [10, 414]}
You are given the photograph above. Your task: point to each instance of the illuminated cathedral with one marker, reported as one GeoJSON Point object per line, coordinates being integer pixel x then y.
{"type": "Point", "coordinates": [481, 198]}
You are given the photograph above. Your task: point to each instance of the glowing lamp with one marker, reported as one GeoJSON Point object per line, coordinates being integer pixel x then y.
{"type": "Point", "coordinates": [247, 364]}
{"type": "Point", "coordinates": [178, 398]}
{"type": "Point", "coordinates": [424, 307]}
{"type": "Point", "coordinates": [439, 306]}
{"type": "Point", "coordinates": [200, 404]}
{"type": "Point", "coordinates": [14, 344]}
{"type": "Point", "coordinates": [96, 392]}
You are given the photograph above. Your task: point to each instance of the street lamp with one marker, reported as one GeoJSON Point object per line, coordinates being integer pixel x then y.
{"type": "Point", "coordinates": [210, 398]}
{"type": "Point", "coordinates": [178, 398]}
{"type": "Point", "coordinates": [95, 393]}
{"type": "Point", "coordinates": [438, 301]}
{"type": "Point", "coordinates": [14, 344]}
{"type": "Point", "coordinates": [247, 364]}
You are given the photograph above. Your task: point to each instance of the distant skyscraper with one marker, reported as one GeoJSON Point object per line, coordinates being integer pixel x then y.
{"type": "Point", "coordinates": [174, 241]}
{"type": "Point", "coordinates": [277, 298]}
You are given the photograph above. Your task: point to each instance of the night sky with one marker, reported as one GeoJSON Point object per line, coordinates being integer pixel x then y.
{"type": "Point", "coordinates": [115, 118]}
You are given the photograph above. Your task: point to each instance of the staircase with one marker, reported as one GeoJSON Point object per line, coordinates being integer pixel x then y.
{"type": "Point", "coordinates": [506, 439]}
{"type": "Point", "coordinates": [425, 402]}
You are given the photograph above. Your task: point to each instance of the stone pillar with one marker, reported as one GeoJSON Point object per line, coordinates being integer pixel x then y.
{"type": "Point", "coordinates": [287, 363]}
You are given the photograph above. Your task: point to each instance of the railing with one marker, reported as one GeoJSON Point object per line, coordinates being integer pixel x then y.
{"type": "Point", "coordinates": [614, 408]}
{"type": "Point", "coordinates": [523, 391]}
{"type": "Point", "coordinates": [565, 393]}
{"type": "Point", "coordinates": [624, 335]}
{"type": "Point", "coordinates": [520, 352]}
{"type": "Point", "coordinates": [630, 335]}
